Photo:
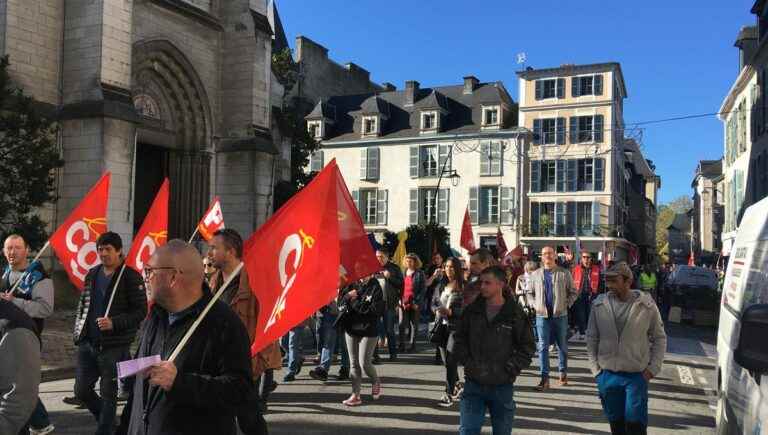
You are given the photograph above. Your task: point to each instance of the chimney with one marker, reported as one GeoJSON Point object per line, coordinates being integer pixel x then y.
{"type": "Point", "coordinates": [470, 84]}
{"type": "Point", "coordinates": [747, 43]}
{"type": "Point", "coordinates": [388, 87]}
{"type": "Point", "coordinates": [411, 92]}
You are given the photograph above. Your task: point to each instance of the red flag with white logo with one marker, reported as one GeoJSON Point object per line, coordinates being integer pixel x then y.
{"type": "Point", "coordinates": [298, 258]}
{"type": "Point", "coordinates": [74, 242]}
{"type": "Point", "coordinates": [212, 221]}
{"type": "Point", "coordinates": [501, 245]}
{"type": "Point", "coordinates": [153, 232]}
{"type": "Point", "coordinates": [467, 238]}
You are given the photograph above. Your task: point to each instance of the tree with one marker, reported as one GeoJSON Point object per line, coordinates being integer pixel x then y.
{"type": "Point", "coordinates": [419, 237]}
{"type": "Point", "coordinates": [28, 157]}
{"type": "Point", "coordinates": [291, 123]}
{"type": "Point", "coordinates": [664, 217]}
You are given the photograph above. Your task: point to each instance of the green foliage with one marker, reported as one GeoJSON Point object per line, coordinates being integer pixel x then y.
{"type": "Point", "coordinates": [664, 217]}
{"type": "Point", "coordinates": [420, 237]}
{"type": "Point", "coordinates": [28, 157]}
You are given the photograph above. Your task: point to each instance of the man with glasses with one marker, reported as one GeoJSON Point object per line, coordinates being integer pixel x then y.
{"type": "Point", "coordinates": [589, 283]}
{"type": "Point", "coordinates": [202, 389]}
{"type": "Point", "coordinates": [103, 339]}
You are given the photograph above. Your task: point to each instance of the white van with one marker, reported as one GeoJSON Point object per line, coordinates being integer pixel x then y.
{"type": "Point", "coordinates": [742, 338]}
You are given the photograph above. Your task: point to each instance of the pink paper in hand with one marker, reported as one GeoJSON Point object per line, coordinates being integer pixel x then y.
{"type": "Point", "coordinates": [133, 366]}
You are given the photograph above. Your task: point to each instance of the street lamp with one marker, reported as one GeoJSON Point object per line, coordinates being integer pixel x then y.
{"type": "Point", "coordinates": [454, 177]}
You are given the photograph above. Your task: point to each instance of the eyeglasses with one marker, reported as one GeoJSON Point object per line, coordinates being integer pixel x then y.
{"type": "Point", "coordinates": [149, 271]}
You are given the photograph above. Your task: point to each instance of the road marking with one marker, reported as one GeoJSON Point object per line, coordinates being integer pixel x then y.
{"type": "Point", "coordinates": [686, 377]}
{"type": "Point", "coordinates": [702, 380]}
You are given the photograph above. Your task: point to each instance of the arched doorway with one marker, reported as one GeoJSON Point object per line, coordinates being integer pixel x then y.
{"type": "Point", "coordinates": [174, 137]}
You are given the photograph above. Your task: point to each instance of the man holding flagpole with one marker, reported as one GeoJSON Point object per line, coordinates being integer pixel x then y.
{"type": "Point", "coordinates": [104, 331]}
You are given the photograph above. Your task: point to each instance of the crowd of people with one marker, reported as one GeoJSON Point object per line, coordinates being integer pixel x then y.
{"type": "Point", "coordinates": [485, 318]}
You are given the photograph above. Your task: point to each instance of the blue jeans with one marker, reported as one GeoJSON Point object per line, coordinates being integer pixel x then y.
{"type": "Point", "coordinates": [499, 401]}
{"type": "Point", "coordinates": [39, 418]}
{"type": "Point", "coordinates": [390, 319]}
{"type": "Point", "coordinates": [327, 335]}
{"type": "Point", "coordinates": [558, 326]}
{"type": "Point", "coordinates": [93, 364]}
{"type": "Point", "coordinates": [624, 396]}
{"type": "Point", "coordinates": [295, 357]}
{"type": "Point", "coordinates": [341, 347]}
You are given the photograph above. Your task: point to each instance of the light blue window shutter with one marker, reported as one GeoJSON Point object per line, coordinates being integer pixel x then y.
{"type": "Point", "coordinates": [381, 206]}
{"type": "Point", "coordinates": [364, 164]}
{"type": "Point", "coordinates": [599, 175]}
{"type": "Point", "coordinates": [537, 131]}
{"type": "Point", "coordinates": [485, 158]}
{"type": "Point", "coordinates": [473, 204]}
{"type": "Point", "coordinates": [560, 131]}
{"type": "Point", "coordinates": [443, 153]}
{"type": "Point", "coordinates": [560, 175]}
{"type": "Point", "coordinates": [595, 217]}
{"type": "Point", "coordinates": [571, 226]}
{"type": "Point", "coordinates": [506, 195]}
{"type": "Point", "coordinates": [575, 86]}
{"type": "Point", "coordinates": [597, 85]}
{"type": "Point", "coordinates": [414, 161]}
{"type": "Point", "coordinates": [496, 162]}
{"type": "Point", "coordinates": [572, 177]}
{"type": "Point", "coordinates": [561, 88]}
{"type": "Point", "coordinates": [536, 176]}
{"type": "Point", "coordinates": [356, 199]}
{"type": "Point", "coordinates": [597, 126]}
{"type": "Point", "coordinates": [574, 129]}
{"type": "Point", "coordinates": [443, 202]}
{"type": "Point", "coordinates": [535, 217]}
{"type": "Point", "coordinates": [413, 207]}
{"type": "Point", "coordinates": [373, 163]}
{"type": "Point", "coordinates": [560, 218]}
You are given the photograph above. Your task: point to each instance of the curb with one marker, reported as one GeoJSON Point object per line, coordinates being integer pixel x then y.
{"type": "Point", "coordinates": [57, 374]}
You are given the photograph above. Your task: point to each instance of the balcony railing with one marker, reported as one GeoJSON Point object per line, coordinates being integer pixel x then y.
{"type": "Point", "coordinates": [573, 230]}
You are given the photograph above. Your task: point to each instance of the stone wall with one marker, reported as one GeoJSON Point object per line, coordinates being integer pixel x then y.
{"type": "Point", "coordinates": [30, 33]}
{"type": "Point", "coordinates": [324, 78]}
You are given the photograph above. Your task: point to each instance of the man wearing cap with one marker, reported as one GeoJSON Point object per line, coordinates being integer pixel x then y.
{"type": "Point", "coordinates": [625, 344]}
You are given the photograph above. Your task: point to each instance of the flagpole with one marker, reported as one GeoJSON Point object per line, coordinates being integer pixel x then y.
{"type": "Point", "coordinates": [26, 272]}
{"type": "Point", "coordinates": [202, 315]}
{"type": "Point", "coordinates": [114, 290]}
{"type": "Point", "coordinates": [193, 235]}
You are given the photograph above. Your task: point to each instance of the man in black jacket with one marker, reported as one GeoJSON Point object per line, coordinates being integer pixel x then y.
{"type": "Point", "coordinates": [201, 390]}
{"type": "Point", "coordinates": [103, 339]}
{"type": "Point", "coordinates": [495, 343]}
{"type": "Point", "coordinates": [391, 281]}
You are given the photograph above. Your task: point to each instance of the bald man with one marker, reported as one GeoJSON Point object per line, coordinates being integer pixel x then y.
{"type": "Point", "coordinates": [211, 378]}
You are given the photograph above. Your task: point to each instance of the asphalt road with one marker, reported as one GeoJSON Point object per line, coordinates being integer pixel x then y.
{"type": "Point", "coordinates": [681, 400]}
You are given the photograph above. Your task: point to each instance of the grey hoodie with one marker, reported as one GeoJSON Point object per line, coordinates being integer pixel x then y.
{"type": "Point", "coordinates": [642, 343]}
{"type": "Point", "coordinates": [19, 368]}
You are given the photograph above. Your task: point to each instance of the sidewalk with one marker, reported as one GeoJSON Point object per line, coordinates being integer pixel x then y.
{"type": "Point", "coordinates": [58, 349]}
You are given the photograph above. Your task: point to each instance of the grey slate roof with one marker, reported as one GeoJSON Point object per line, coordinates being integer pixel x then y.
{"type": "Point", "coordinates": [374, 105]}
{"type": "Point", "coordinates": [463, 112]}
{"type": "Point", "coordinates": [322, 110]}
{"type": "Point", "coordinates": [435, 100]}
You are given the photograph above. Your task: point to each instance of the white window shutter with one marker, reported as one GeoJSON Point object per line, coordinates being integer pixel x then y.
{"type": "Point", "coordinates": [381, 207]}
{"type": "Point", "coordinates": [505, 203]}
{"type": "Point", "coordinates": [413, 207]}
{"type": "Point", "coordinates": [595, 217]}
{"type": "Point", "coordinates": [373, 163]}
{"type": "Point", "coordinates": [414, 161]}
{"type": "Point", "coordinates": [485, 161]}
{"type": "Point", "coordinates": [442, 159]}
{"type": "Point", "coordinates": [442, 206]}
{"type": "Point", "coordinates": [364, 164]}
{"type": "Point", "coordinates": [474, 193]}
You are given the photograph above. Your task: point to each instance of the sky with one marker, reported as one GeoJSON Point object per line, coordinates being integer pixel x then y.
{"type": "Point", "coordinates": [677, 56]}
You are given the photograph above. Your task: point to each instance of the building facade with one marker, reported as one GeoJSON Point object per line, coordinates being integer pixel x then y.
{"type": "Point", "coordinates": [422, 155]}
{"type": "Point", "coordinates": [707, 212]}
{"type": "Point", "coordinates": [577, 171]}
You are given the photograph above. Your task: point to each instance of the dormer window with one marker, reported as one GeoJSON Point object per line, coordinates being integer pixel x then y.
{"type": "Point", "coordinates": [429, 120]}
{"type": "Point", "coordinates": [370, 125]}
{"type": "Point", "coordinates": [490, 116]}
{"type": "Point", "coordinates": [315, 129]}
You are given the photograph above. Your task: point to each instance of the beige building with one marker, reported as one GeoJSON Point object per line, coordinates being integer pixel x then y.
{"type": "Point", "coordinates": [577, 173]}
{"type": "Point", "coordinates": [707, 211]}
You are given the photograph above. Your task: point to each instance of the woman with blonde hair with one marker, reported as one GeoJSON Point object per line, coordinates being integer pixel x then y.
{"type": "Point", "coordinates": [414, 288]}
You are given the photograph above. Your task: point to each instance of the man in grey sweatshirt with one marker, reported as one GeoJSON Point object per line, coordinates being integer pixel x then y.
{"type": "Point", "coordinates": [19, 368]}
{"type": "Point", "coordinates": [625, 344]}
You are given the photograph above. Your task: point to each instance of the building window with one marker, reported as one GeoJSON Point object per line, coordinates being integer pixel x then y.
{"type": "Point", "coordinates": [315, 129]}
{"type": "Point", "coordinates": [489, 242]}
{"type": "Point", "coordinates": [549, 176]}
{"type": "Point", "coordinates": [490, 116]}
{"type": "Point", "coordinates": [586, 129]}
{"type": "Point", "coordinates": [550, 88]}
{"type": "Point", "coordinates": [370, 125]}
{"type": "Point", "coordinates": [372, 205]}
{"type": "Point", "coordinates": [369, 163]}
{"type": "Point", "coordinates": [742, 127]}
{"type": "Point", "coordinates": [489, 205]}
{"type": "Point", "coordinates": [584, 212]}
{"type": "Point", "coordinates": [429, 121]}
{"type": "Point", "coordinates": [429, 160]}
{"type": "Point", "coordinates": [564, 218]}
{"type": "Point", "coordinates": [574, 175]}
{"type": "Point", "coordinates": [429, 205]}
{"type": "Point", "coordinates": [549, 131]}
{"type": "Point", "coordinates": [491, 162]}
{"type": "Point", "coordinates": [585, 174]}
{"type": "Point", "coordinates": [587, 85]}
{"type": "Point", "coordinates": [316, 162]}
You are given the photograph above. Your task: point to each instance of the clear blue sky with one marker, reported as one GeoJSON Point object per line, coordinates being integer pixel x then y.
{"type": "Point", "coordinates": [677, 56]}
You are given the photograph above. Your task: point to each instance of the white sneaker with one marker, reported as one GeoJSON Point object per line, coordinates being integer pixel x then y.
{"type": "Point", "coordinates": [46, 430]}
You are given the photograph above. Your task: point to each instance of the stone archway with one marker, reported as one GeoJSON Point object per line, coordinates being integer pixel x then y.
{"type": "Point", "coordinates": [176, 117]}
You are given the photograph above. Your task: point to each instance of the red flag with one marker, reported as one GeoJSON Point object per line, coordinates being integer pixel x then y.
{"type": "Point", "coordinates": [74, 242]}
{"type": "Point", "coordinates": [501, 246]}
{"type": "Point", "coordinates": [212, 221]}
{"type": "Point", "coordinates": [298, 258]}
{"type": "Point", "coordinates": [691, 260]}
{"type": "Point", "coordinates": [467, 238]}
{"type": "Point", "coordinates": [153, 232]}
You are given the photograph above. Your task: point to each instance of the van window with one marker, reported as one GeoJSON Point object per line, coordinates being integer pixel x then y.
{"type": "Point", "coordinates": [756, 287]}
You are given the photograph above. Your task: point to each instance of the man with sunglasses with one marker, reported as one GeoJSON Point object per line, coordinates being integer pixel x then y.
{"type": "Point", "coordinates": [203, 388]}
{"type": "Point", "coordinates": [103, 339]}
{"type": "Point", "coordinates": [589, 283]}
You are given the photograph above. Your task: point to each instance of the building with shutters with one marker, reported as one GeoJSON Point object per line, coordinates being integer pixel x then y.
{"type": "Point", "coordinates": [392, 147]}
{"type": "Point", "coordinates": [578, 171]}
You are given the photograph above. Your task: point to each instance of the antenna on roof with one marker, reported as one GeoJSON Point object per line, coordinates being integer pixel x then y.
{"type": "Point", "coordinates": [521, 58]}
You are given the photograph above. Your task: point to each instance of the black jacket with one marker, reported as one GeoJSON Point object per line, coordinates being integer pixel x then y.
{"type": "Point", "coordinates": [128, 309]}
{"type": "Point", "coordinates": [493, 353]}
{"type": "Point", "coordinates": [393, 286]}
{"type": "Point", "coordinates": [361, 316]}
{"type": "Point", "coordinates": [213, 378]}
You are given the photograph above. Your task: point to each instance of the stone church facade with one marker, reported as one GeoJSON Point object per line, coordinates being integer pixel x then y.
{"type": "Point", "coordinates": [149, 89]}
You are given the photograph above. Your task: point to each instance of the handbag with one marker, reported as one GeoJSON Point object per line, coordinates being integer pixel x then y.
{"type": "Point", "coordinates": [438, 333]}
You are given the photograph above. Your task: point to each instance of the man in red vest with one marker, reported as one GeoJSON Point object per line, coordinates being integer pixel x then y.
{"type": "Point", "coordinates": [587, 279]}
